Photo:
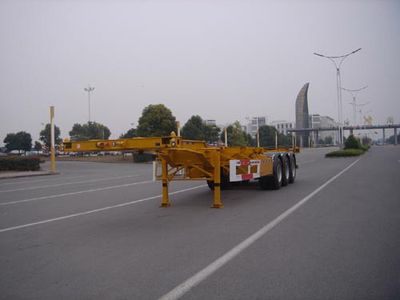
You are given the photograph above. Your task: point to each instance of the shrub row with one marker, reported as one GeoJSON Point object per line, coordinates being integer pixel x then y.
{"type": "Point", "coordinates": [17, 163]}
{"type": "Point", "coordinates": [143, 157]}
{"type": "Point", "coordinates": [345, 152]}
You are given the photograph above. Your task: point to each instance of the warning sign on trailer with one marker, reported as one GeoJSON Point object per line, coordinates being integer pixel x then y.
{"type": "Point", "coordinates": [244, 169]}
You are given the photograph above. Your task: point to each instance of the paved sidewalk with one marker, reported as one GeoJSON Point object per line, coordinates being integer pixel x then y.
{"type": "Point", "coordinates": [16, 174]}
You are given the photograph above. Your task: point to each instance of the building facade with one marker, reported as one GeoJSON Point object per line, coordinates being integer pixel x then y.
{"type": "Point", "coordinates": [318, 121]}
{"type": "Point", "coordinates": [254, 123]}
{"type": "Point", "coordinates": [210, 122]}
{"type": "Point", "coordinates": [302, 118]}
{"type": "Point", "coordinates": [283, 126]}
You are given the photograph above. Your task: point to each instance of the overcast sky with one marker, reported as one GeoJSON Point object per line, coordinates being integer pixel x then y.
{"type": "Point", "coordinates": [222, 60]}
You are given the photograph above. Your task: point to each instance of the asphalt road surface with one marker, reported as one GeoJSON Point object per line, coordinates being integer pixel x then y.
{"type": "Point", "coordinates": [96, 232]}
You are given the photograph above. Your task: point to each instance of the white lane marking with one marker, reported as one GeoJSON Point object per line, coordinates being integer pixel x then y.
{"type": "Point", "coordinates": [66, 183]}
{"type": "Point", "coordinates": [27, 179]}
{"type": "Point", "coordinates": [190, 283]}
{"type": "Point", "coordinates": [76, 193]}
{"type": "Point", "coordinates": [96, 210]}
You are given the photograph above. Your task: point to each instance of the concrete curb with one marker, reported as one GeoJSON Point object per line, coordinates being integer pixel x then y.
{"type": "Point", "coordinates": [26, 174]}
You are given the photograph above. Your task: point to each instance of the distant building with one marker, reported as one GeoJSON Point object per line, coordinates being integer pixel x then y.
{"type": "Point", "coordinates": [210, 122]}
{"type": "Point", "coordinates": [318, 121]}
{"type": "Point", "coordinates": [302, 118]}
{"type": "Point", "coordinates": [254, 123]}
{"type": "Point", "coordinates": [282, 126]}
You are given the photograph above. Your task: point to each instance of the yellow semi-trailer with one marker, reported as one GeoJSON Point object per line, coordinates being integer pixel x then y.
{"type": "Point", "coordinates": [220, 166]}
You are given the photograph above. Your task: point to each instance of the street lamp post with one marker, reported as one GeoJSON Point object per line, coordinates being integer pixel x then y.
{"type": "Point", "coordinates": [354, 103]}
{"type": "Point", "coordinates": [337, 61]}
{"type": "Point", "coordinates": [89, 89]}
{"type": "Point", "coordinates": [361, 105]}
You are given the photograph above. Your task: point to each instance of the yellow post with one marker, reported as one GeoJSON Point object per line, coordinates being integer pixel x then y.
{"type": "Point", "coordinates": [217, 180]}
{"type": "Point", "coordinates": [165, 199]}
{"type": "Point", "coordinates": [52, 139]}
{"type": "Point", "coordinates": [178, 127]}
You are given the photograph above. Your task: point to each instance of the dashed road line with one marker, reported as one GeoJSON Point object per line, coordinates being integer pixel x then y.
{"type": "Point", "coordinates": [66, 183]}
{"type": "Point", "coordinates": [96, 210]}
{"type": "Point", "coordinates": [75, 193]}
{"type": "Point", "coordinates": [28, 180]}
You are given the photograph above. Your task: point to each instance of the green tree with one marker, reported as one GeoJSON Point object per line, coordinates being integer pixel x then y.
{"type": "Point", "coordinates": [194, 129]}
{"type": "Point", "coordinates": [284, 140]}
{"type": "Point", "coordinates": [211, 133]}
{"type": "Point", "coordinates": [250, 141]}
{"type": "Point", "coordinates": [236, 135]}
{"type": "Point", "coordinates": [156, 120]}
{"type": "Point", "coordinates": [21, 141]}
{"type": "Point", "coordinates": [11, 142]}
{"type": "Point", "coordinates": [38, 146]}
{"type": "Point", "coordinates": [131, 133]}
{"type": "Point", "coordinates": [89, 131]}
{"type": "Point", "coordinates": [45, 135]}
{"type": "Point", "coordinates": [267, 136]}
{"type": "Point", "coordinates": [352, 143]}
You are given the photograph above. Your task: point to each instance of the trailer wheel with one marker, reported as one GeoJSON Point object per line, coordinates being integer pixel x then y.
{"type": "Point", "coordinates": [210, 184]}
{"type": "Point", "coordinates": [225, 183]}
{"type": "Point", "coordinates": [273, 182]}
{"type": "Point", "coordinates": [292, 168]}
{"type": "Point", "coordinates": [276, 182]}
{"type": "Point", "coordinates": [285, 170]}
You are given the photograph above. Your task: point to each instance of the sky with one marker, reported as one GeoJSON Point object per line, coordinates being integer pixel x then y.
{"type": "Point", "coordinates": [222, 60]}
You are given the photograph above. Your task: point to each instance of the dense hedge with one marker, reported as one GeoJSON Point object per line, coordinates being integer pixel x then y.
{"type": "Point", "coordinates": [345, 152]}
{"type": "Point", "coordinates": [352, 147]}
{"type": "Point", "coordinates": [352, 143]}
{"type": "Point", "coordinates": [18, 163]}
{"type": "Point", "coordinates": [143, 157]}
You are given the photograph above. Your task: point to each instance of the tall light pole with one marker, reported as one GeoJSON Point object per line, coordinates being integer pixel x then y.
{"type": "Point", "coordinates": [354, 103]}
{"type": "Point", "coordinates": [89, 89]}
{"type": "Point", "coordinates": [52, 141]}
{"type": "Point", "coordinates": [337, 61]}
{"type": "Point", "coordinates": [361, 105]}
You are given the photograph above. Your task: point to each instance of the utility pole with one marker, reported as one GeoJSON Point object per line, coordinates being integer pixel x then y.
{"type": "Point", "coordinates": [361, 105]}
{"type": "Point", "coordinates": [337, 61]}
{"type": "Point", "coordinates": [89, 89]}
{"type": "Point", "coordinates": [354, 103]}
{"type": "Point", "coordinates": [52, 141]}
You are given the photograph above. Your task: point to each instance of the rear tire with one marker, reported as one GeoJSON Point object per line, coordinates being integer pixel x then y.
{"type": "Point", "coordinates": [273, 182]}
{"type": "Point", "coordinates": [285, 170]}
{"type": "Point", "coordinates": [225, 183]}
{"type": "Point", "coordinates": [276, 182]}
{"type": "Point", "coordinates": [292, 168]}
